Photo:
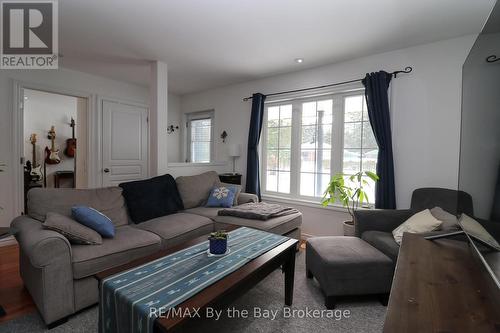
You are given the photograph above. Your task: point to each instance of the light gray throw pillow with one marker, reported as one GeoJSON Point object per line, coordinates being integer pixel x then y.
{"type": "Point", "coordinates": [421, 222]}
{"type": "Point", "coordinates": [75, 232]}
{"type": "Point", "coordinates": [450, 221]}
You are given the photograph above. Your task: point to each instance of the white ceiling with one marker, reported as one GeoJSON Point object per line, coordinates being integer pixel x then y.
{"type": "Point", "coordinates": [209, 43]}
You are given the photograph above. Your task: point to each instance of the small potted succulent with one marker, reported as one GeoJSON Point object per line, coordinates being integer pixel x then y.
{"type": "Point", "coordinates": [218, 242]}
{"type": "Point", "coordinates": [349, 190]}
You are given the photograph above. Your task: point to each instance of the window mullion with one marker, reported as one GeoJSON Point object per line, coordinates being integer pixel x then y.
{"type": "Point", "coordinates": [338, 134]}
{"type": "Point", "coordinates": [295, 149]}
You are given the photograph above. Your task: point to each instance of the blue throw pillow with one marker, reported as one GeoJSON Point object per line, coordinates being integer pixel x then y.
{"type": "Point", "coordinates": [94, 219]}
{"type": "Point", "coordinates": [221, 196]}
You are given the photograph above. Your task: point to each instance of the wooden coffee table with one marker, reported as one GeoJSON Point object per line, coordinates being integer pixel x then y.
{"type": "Point", "coordinates": [227, 289]}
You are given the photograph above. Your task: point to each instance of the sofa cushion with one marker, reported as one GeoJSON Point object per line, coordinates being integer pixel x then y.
{"type": "Point", "coordinates": [150, 198]}
{"type": "Point", "coordinates": [194, 190]}
{"type": "Point", "coordinates": [382, 241]}
{"type": "Point", "coordinates": [178, 228]}
{"type": "Point", "coordinates": [210, 212]}
{"type": "Point", "coordinates": [108, 200]}
{"type": "Point", "coordinates": [128, 244]}
{"type": "Point", "coordinates": [75, 232]}
{"type": "Point", "coordinates": [278, 225]}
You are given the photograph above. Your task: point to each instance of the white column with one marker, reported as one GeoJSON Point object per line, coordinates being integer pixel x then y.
{"type": "Point", "coordinates": [158, 91]}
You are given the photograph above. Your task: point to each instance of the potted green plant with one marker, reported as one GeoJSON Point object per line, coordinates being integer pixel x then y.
{"type": "Point", "coordinates": [218, 242]}
{"type": "Point", "coordinates": [351, 194]}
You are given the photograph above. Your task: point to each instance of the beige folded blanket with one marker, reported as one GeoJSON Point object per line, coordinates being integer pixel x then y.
{"type": "Point", "coordinates": [257, 211]}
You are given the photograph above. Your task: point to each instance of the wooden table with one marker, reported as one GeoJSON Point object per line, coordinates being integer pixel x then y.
{"type": "Point", "coordinates": [227, 289]}
{"type": "Point", "coordinates": [230, 178]}
{"type": "Point", "coordinates": [60, 175]}
{"type": "Point", "coordinates": [440, 286]}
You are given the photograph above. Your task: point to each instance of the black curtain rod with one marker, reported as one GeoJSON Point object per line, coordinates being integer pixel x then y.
{"type": "Point", "coordinates": [395, 74]}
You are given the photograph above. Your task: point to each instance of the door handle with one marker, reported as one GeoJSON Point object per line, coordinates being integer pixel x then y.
{"type": "Point", "coordinates": [106, 170]}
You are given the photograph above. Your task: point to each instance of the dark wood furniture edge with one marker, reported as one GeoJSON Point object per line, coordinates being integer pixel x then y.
{"type": "Point", "coordinates": [462, 300]}
{"type": "Point", "coordinates": [231, 286]}
{"type": "Point", "coordinates": [237, 283]}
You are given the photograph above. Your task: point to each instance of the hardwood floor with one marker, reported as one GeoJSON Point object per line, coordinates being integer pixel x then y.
{"type": "Point", "coordinates": [14, 298]}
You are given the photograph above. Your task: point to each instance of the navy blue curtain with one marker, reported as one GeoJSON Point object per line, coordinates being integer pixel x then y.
{"type": "Point", "coordinates": [377, 100]}
{"type": "Point", "coordinates": [253, 175]}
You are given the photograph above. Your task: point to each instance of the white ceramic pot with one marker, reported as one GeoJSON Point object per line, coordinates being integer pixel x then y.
{"type": "Point", "coordinates": [348, 228]}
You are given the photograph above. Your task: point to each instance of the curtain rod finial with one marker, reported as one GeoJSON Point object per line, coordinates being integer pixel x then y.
{"type": "Point", "coordinates": [408, 69]}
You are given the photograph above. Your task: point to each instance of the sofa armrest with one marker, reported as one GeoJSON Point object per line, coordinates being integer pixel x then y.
{"type": "Point", "coordinates": [380, 219]}
{"type": "Point", "coordinates": [42, 246]}
{"type": "Point", "coordinates": [46, 268]}
{"type": "Point", "coordinates": [246, 198]}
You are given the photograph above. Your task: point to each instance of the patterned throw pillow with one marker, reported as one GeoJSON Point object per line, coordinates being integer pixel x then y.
{"type": "Point", "coordinates": [221, 196]}
{"type": "Point", "coordinates": [237, 191]}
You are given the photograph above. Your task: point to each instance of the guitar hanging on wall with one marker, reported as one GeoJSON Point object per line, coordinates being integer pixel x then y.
{"type": "Point", "coordinates": [71, 143]}
{"type": "Point", "coordinates": [52, 154]}
{"type": "Point", "coordinates": [36, 169]}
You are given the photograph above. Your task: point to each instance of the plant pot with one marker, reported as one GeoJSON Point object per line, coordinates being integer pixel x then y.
{"type": "Point", "coordinates": [348, 228]}
{"type": "Point", "coordinates": [218, 245]}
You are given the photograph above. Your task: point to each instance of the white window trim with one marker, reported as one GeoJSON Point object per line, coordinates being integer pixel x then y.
{"type": "Point", "coordinates": [198, 115]}
{"type": "Point", "coordinates": [312, 202]}
{"type": "Point", "coordinates": [337, 94]}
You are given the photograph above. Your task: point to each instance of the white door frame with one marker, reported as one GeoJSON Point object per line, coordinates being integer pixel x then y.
{"type": "Point", "coordinates": [94, 133]}
{"type": "Point", "coordinates": [18, 133]}
{"type": "Point", "coordinates": [100, 100]}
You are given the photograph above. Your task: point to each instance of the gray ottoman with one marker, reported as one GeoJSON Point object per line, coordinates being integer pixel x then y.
{"type": "Point", "coordinates": [348, 266]}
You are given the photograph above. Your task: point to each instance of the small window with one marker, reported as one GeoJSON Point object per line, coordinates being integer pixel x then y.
{"type": "Point", "coordinates": [199, 137]}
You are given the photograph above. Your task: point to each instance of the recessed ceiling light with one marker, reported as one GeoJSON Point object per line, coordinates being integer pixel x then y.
{"type": "Point", "coordinates": [299, 60]}
{"type": "Point", "coordinates": [25, 98]}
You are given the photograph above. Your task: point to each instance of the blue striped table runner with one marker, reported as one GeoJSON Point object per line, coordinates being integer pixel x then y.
{"type": "Point", "coordinates": [126, 298]}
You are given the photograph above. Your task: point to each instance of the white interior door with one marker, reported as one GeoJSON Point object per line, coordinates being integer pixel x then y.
{"type": "Point", "coordinates": [125, 143]}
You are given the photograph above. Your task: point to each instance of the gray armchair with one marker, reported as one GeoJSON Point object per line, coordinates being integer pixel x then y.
{"type": "Point", "coordinates": [375, 226]}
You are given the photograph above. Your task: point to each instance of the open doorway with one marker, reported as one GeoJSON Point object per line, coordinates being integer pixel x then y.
{"type": "Point", "coordinates": [53, 124]}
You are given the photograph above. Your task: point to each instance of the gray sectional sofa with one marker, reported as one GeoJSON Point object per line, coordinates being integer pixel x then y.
{"type": "Point", "coordinates": [60, 275]}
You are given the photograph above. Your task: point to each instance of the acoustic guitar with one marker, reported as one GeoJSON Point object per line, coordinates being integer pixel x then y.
{"type": "Point", "coordinates": [52, 154]}
{"type": "Point", "coordinates": [36, 173]}
{"type": "Point", "coordinates": [71, 143]}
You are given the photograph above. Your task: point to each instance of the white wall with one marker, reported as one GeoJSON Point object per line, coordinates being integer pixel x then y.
{"type": "Point", "coordinates": [189, 169]}
{"type": "Point", "coordinates": [61, 79]}
{"type": "Point", "coordinates": [425, 111]}
{"type": "Point", "coordinates": [41, 111]}
{"type": "Point", "coordinates": [175, 119]}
